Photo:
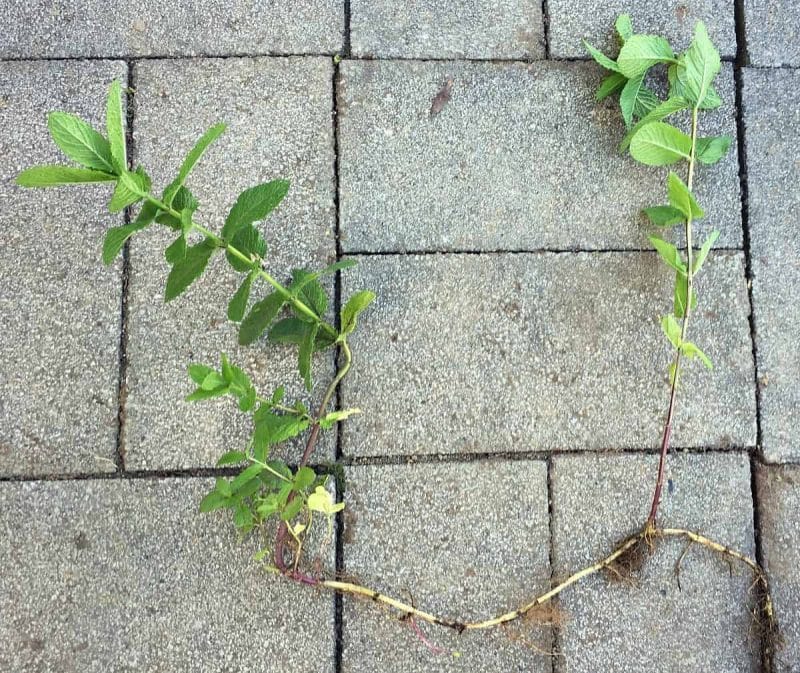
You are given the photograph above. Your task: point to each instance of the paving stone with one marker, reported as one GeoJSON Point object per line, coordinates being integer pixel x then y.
{"type": "Point", "coordinates": [779, 501]}
{"type": "Point", "coordinates": [773, 29]}
{"type": "Point", "coordinates": [612, 626]}
{"type": "Point", "coordinates": [522, 157]}
{"type": "Point", "coordinates": [571, 22]}
{"type": "Point", "coordinates": [279, 116]}
{"type": "Point", "coordinates": [421, 532]}
{"type": "Point", "coordinates": [60, 330]}
{"type": "Point", "coordinates": [427, 29]}
{"type": "Point", "coordinates": [497, 353]}
{"type": "Point", "coordinates": [84, 28]}
{"type": "Point", "coordinates": [772, 115]}
{"type": "Point", "coordinates": [129, 576]}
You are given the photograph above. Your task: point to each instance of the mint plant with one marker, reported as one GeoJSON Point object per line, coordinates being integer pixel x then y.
{"type": "Point", "coordinates": [292, 312]}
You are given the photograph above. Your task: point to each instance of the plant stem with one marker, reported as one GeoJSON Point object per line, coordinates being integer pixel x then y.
{"type": "Point", "coordinates": [665, 440]}
{"type": "Point", "coordinates": [280, 538]}
{"type": "Point", "coordinates": [220, 242]}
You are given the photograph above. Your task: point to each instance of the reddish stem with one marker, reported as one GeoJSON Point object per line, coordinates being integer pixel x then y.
{"type": "Point", "coordinates": [662, 461]}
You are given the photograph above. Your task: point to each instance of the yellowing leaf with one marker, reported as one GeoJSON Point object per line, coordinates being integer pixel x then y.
{"type": "Point", "coordinates": [322, 501]}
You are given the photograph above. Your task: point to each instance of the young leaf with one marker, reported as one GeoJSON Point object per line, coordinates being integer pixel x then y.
{"type": "Point", "coordinates": [611, 83]}
{"type": "Point", "coordinates": [624, 27]}
{"type": "Point", "coordinates": [697, 263]}
{"type": "Point", "coordinates": [249, 241]}
{"type": "Point", "coordinates": [131, 187]}
{"type": "Point", "coordinates": [115, 240]}
{"type": "Point", "coordinates": [53, 176]}
{"type": "Point", "coordinates": [329, 420]}
{"type": "Point", "coordinates": [600, 57]}
{"type": "Point", "coordinates": [711, 150]}
{"type": "Point", "coordinates": [641, 52]}
{"type": "Point", "coordinates": [80, 142]}
{"type": "Point", "coordinates": [213, 501]}
{"type": "Point", "coordinates": [114, 127]}
{"type": "Point", "coordinates": [200, 394]}
{"type": "Point", "coordinates": [355, 305]}
{"type": "Point", "coordinates": [699, 65]}
{"type": "Point", "coordinates": [627, 99]}
{"type": "Point", "coordinates": [681, 198]}
{"type": "Point", "coordinates": [669, 253]}
{"type": "Point", "coordinates": [198, 373]}
{"type": "Point", "coordinates": [303, 479]}
{"type": "Point", "coordinates": [307, 289]}
{"type": "Point", "coordinates": [238, 303]}
{"type": "Point", "coordinates": [672, 329]}
{"type": "Point", "coordinates": [260, 317]}
{"type": "Point", "coordinates": [305, 353]}
{"type": "Point", "coordinates": [691, 351]}
{"type": "Point", "coordinates": [185, 271]}
{"type": "Point", "coordinates": [191, 159]}
{"type": "Point", "coordinates": [254, 204]}
{"type": "Point", "coordinates": [336, 266]}
{"type": "Point", "coordinates": [659, 144]}
{"type": "Point", "coordinates": [664, 216]}
{"type": "Point", "coordinates": [661, 111]}
{"type": "Point", "coordinates": [322, 501]}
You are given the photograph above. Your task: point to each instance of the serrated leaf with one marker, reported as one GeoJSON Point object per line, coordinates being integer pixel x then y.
{"type": "Point", "coordinates": [308, 290]}
{"type": "Point", "coordinates": [272, 428]}
{"type": "Point", "coordinates": [245, 476]}
{"type": "Point", "coordinates": [304, 478]}
{"type": "Point", "coordinates": [247, 240]}
{"type": "Point", "coordinates": [223, 487]}
{"type": "Point", "coordinates": [199, 395]}
{"type": "Point", "coordinates": [115, 129]}
{"type": "Point", "coordinates": [305, 353]}
{"type": "Point", "coordinates": [243, 518]}
{"type": "Point", "coordinates": [641, 52]}
{"type": "Point", "coordinates": [711, 150]}
{"type": "Point", "coordinates": [54, 176]}
{"type": "Point", "coordinates": [672, 329]}
{"type": "Point", "coordinates": [355, 305]}
{"type": "Point", "coordinates": [176, 251]}
{"type": "Point", "coordinates": [681, 198]}
{"type": "Point", "coordinates": [198, 373]}
{"type": "Point", "coordinates": [697, 263]}
{"type": "Point", "coordinates": [699, 65]}
{"type": "Point", "coordinates": [660, 144]}
{"type": "Point", "coordinates": [627, 99]}
{"type": "Point", "coordinates": [213, 501]}
{"type": "Point", "coordinates": [191, 159]}
{"type": "Point", "coordinates": [662, 111]}
{"type": "Point", "coordinates": [669, 253]}
{"type": "Point", "coordinates": [664, 216]}
{"type": "Point", "coordinates": [115, 239]}
{"type": "Point", "coordinates": [213, 380]}
{"type": "Point", "coordinates": [185, 271]}
{"type": "Point", "coordinates": [691, 351]}
{"type": "Point", "coordinates": [292, 509]}
{"type": "Point", "coordinates": [646, 101]}
{"type": "Point", "coordinates": [253, 205]}
{"type": "Point", "coordinates": [610, 84]}
{"type": "Point", "coordinates": [131, 188]}
{"type": "Point", "coordinates": [600, 57]}
{"type": "Point", "coordinates": [238, 303]}
{"type": "Point", "coordinates": [624, 27]}
{"type": "Point", "coordinates": [80, 142]}
{"type": "Point", "coordinates": [184, 200]}
{"type": "Point", "coordinates": [260, 317]}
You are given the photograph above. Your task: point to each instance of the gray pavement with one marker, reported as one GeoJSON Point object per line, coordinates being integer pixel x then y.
{"type": "Point", "coordinates": [511, 372]}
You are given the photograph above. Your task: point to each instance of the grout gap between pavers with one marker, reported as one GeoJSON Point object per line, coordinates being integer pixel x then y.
{"type": "Point", "coordinates": [546, 29]}
{"type": "Point", "coordinates": [555, 629]}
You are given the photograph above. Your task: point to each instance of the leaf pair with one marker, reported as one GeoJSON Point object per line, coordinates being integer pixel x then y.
{"type": "Point", "coordinates": [230, 379]}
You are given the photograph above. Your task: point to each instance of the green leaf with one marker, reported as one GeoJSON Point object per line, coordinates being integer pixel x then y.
{"type": "Point", "coordinates": [681, 198]}
{"type": "Point", "coordinates": [191, 159]}
{"type": "Point", "coordinates": [238, 303]}
{"type": "Point", "coordinates": [185, 271]}
{"type": "Point", "coordinates": [697, 263]}
{"type": "Point", "coordinates": [329, 420]}
{"type": "Point", "coordinates": [304, 478]}
{"type": "Point", "coordinates": [243, 518]}
{"type": "Point", "coordinates": [272, 428]}
{"type": "Point", "coordinates": [247, 240]}
{"type": "Point", "coordinates": [646, 101]}
{"type": "Point", "coordinates": [711, 150]}
{"type": "Point", "coordinates": [699, 65]}
{"type": "Point", "coordinates": [681, 292]}
{"type": "Point", "coordinates": [198, 373]}
{"type": "Point", "coordinates": [305, 353]}
{"type": "Point", "coordinates": [213, 380]}
{"type": "Point", "coordinates": [80, 142]}
{"type": "Point", "coordinates": [260, 317]}
{"type": "Point", "coordinates": [246, 475]}
{"type": "Point", "coordinates": [213, 501]}
{"type": "Point", "coordinates": [641, 52]}
{"type": "Point", "coordinates": [669, 253]}
{"type": "Point", "coordinates": [131, 187]}
{"type": "Point", "coordinates": [114, 127]}
{"type": "Point", "coordinates": [627, 99]}
{"type": "Point", "coordinates": [184, 200]}
{"type": "Point", "coordinates": [355, 305]}
{"type": "Point", "coordinates": [308, 290]}
{"type": "Point", "coordinates": [176, 251]}
{"type": "Point", "coordinates": [691, 351]}
{"type": "Point", "coordinates": [662, 111]}
{"type": "Point", "coordinates": [659, 144]}
{"type": "Point", "coordinates": [253, 205]}
{"type": "Point", "coordinates": [147, 214]}
{"type": "Point", "coordinates": [200, 394]}
{"type": "Point", "coordinates": [53, 176]}
{"type": "Point", "coordinates": [115, 239]}
{"type": "Point", "coordinates": [223, 487]}
{"type": "Point", "coordinates": [664, 216]}
{"type": "Point", "coordinates": [611, 84]}
{"type": "Point", "coordinates": [292, 509]}
{"type": "Point", "coordinates": [600, 57]}
{"type": "Point", "coordinates": [624, 27]}
{"type": "Point", "coordinates": [336, 266]}
{"type": "Point", "coordinates": [672, 329]}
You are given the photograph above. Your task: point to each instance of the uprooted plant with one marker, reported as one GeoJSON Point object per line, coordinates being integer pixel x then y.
{"type": "Point", "coordinates": [294, 312]}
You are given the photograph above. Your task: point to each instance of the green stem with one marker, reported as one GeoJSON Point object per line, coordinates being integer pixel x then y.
{"type": "Point", "coordinates": [665, 441]}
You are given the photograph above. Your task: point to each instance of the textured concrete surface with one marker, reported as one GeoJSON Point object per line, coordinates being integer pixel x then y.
{"type": "Point", "coordinates": [425, 533]}
{"type": "Point", "coordinates": [779, 495]}
{"type": "Point", "coordinates": [429, 29]}
{"type": "Point", "coordinates": [84, 28]}
{"type": "Point", "coordinates": [571, 22]}
{"type": "Point", "coordinates": [468, 353]}
{"type": "Point", "coordinates": [773, 29]}
{"type": "Point", "coordinates": [704, 625]}
{"type": "Point", "coordinates": [129, 576]}
{"type": "Point", "coordinates": [60, 308]}
{"type": "Point", "coordinates": [520, 158]}
{"type": "Point", "coordinates": [279, 116]}
{"type": "Point", "coordinates": [772, 116]}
